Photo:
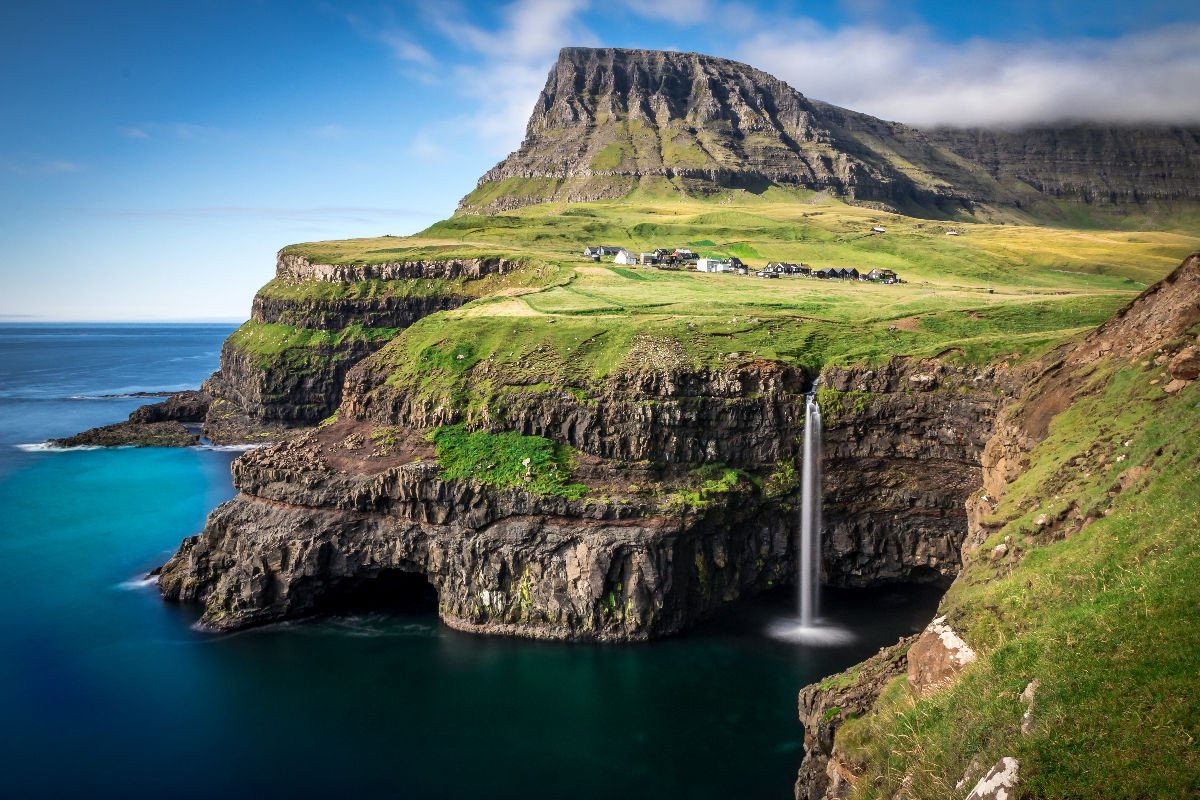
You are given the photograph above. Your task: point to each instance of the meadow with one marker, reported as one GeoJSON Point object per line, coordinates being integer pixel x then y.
{"type": "Point", "coordinates": [991, 291]}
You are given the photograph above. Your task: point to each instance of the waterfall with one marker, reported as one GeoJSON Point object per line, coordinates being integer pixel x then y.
{"type": "Point", "coordinates": [810, 514]}
{"type": "Point", "coordinates": [809, 629]}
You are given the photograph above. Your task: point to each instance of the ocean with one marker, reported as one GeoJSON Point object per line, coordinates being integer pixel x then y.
{"type": "Point", "coordinates": [107, 691]}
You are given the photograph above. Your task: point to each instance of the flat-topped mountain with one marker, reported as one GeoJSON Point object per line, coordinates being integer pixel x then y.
{"type": "Point", "coordinates": [610, 122]}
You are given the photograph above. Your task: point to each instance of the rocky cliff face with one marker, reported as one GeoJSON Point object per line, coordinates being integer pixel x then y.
{"type": "Point", "coordinates": [1093, 164]}
{"type": "Point", "coordinates": [608, 118]}
{"type": "Point", "coordinates": [609, 121]}
{"type": "Point", "coordinates": [637, 556]}
{"type": "Point", "coordinates": [284, 368]}
{"type": "Point", "coordinates": [903, 445]}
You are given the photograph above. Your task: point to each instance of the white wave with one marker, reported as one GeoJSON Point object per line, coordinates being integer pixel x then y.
{"type": "Point", "coordinates": [818, 635]}
{"type": "Point", "coordinates": [47, 447]}
{"type": "Point", "coordinates": [231, 448]}
{"type": "Point", "coordinates": [134, 584]}
{"type": "Point", "coordinates": [131, 395]}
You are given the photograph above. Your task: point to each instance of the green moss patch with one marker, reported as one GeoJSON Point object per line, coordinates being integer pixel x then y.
{"type": "Point", "coordinates": [505, 460]}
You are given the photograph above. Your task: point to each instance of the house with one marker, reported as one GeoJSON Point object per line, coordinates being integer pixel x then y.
{"type": "Point", "coordinates": [850, 274]}
{"type": "Point", "coordinates": [732, 263]}
{"type": "Point", "coordinates": [708, 265]}
{"type": "Point", "coordinates": [684, 254]}
{"type": "Point", "coordinates": [885, 275]}
{"type": "Point", "coordinates": [598, 250]}
{"type": "Point", "coordinates": [625, 257]}
{"type": "Point", "coordinates": [647, 258]}
{"type": "Point", "coordinates": [592, 251]}
{"type": "Point", "coordinates": [766, 273]}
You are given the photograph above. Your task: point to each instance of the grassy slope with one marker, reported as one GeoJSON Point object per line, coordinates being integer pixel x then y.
{"type": "Point", "coordinates": [992, 291]}
{"type": "Point", "coordinates": [1105, 618]}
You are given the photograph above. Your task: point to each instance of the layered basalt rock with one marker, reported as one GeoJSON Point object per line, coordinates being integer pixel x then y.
{"type": "Point", "coordinates": [295, 267]}
{"type": "Point", "coordinates": [255, 398]}
{"type": "Point", "coordinates": [903, 444]}
{"type": "Point", "coordinates": [630, 560]}
{"type": "Point", "coordinates": [163, 424]}
{"type": "Point", "coordinates": [609, 117]}
{"type": "Point", "coordinates": [505, 562]}
{"type": "Point", "coordinates": [1089, 163]}
{"type": "Point", "coordinates": [338, 314]}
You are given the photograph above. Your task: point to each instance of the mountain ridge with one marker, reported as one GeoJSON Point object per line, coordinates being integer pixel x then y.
{"type": "Point", "coordinates": [610, 121]}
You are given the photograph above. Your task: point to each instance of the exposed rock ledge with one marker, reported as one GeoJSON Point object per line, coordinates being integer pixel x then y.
{"type": "Point", "coordinates": [324, 514]}
{"type": "Point", "coordinates": [294, 267]}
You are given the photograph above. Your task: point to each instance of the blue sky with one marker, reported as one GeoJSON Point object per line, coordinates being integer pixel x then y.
{"type": "Point", "coordinates": [155, 155]}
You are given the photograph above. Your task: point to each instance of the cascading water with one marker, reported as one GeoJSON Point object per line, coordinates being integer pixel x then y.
{"type": "Point", "coordinates": [810, 514]}
{"type": "Point", "coordinates": [808, 628]}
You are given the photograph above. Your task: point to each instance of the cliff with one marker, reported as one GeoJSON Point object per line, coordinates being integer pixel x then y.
{"type": "Point", "coordinates": [613, 123]}
{"type": "Point", "coordinates": [611, 120]}
{"type": "Point", "coordinates": [685, 498]}
{"type": "Point", "coordinates": [1090, 474]}
{"type": "Point", "coordinates": [1103, 165]}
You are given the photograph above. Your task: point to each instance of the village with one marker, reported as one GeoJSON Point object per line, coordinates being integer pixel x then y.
{"type": "Point", "coordinates": [684, 259]}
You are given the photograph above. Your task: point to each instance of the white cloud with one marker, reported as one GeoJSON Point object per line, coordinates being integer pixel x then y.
{"type": "Point", "coordinates": [404, 48]}
{"type": "Point", "coordinates": [425, 147]}
{"type": "Point", "coordinates": [911, 76]}
{"type": "Point", "coordinates": [516, 58]}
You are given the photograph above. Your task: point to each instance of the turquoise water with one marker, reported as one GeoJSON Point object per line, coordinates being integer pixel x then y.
{"type": "Point", "coordinates": [107, 691]}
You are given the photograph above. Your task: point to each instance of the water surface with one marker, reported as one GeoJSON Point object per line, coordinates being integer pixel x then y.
{"type": "Point", "coordinates": [106, 691]}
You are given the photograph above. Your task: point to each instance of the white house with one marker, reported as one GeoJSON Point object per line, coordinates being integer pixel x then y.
{"type": "Point", "coordinates": [708, 265]}
{"type": "Point", "coordinates": [625, 257]}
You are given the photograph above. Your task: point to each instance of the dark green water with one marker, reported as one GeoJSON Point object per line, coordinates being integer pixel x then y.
{"type": "Point", "coordinates": [106, 691]}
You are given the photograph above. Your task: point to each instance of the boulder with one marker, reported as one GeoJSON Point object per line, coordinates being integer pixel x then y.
{"type": "Point", "coordinates": [999, 782]}
{"type": "Point", "coordinates": [1186, 364]}
{"type": "Point", "coordinates": [937, 658]}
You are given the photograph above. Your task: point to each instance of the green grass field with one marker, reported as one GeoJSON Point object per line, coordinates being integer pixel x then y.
{"type": "Point", "coordinates": [991, 291]}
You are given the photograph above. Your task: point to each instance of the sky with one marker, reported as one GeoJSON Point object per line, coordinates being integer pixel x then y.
{"type": "Point", "coordinates": [155, 155]}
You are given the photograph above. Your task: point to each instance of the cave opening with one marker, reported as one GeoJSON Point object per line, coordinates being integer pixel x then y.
{"type": "Point", "coordinates": [393, 591]}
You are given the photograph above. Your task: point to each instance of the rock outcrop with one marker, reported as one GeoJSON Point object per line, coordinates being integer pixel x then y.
{"type": "Point", "coordinates": [154, 425]}
{"type": "Point", "coordinates": [132, 434]}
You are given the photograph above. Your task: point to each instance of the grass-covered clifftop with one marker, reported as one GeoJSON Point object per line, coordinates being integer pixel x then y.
{"type": "Point", "coordinates": [990, 292]}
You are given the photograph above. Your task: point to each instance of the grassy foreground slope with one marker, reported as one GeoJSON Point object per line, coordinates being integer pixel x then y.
{"type": "Point", "coordinates": [1096, 598]}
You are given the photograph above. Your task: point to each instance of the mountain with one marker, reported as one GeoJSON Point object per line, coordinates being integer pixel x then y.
{"type": "Point", "coordinates": [612, 121]}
